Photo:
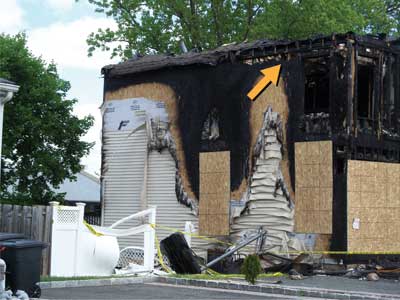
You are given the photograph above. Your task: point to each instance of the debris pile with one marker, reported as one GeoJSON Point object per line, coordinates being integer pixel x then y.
{"type": "Point", "coordinates": [183, 260]}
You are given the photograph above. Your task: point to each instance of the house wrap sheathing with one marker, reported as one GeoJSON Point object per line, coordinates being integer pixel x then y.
{"type": "Point", "coordinates": [134, 176]}
{"type": "Point", "coordinates": [180, 132]}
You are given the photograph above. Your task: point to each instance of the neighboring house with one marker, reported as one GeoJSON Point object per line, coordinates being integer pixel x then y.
{"type": "Point", "coordinates": [317, 154]}
{"type": "Point", "coordinates": [85, 189]}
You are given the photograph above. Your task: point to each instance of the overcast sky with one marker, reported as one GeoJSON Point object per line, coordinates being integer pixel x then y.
{"type": "Point", "coordinates": [57, 30]}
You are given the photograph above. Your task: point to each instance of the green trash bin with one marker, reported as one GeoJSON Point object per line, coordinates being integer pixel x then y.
{"type": "Point", "coordinates": [24, 260]}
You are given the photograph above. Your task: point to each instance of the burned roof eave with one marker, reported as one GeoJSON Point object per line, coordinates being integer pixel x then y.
{"type": "Point", "coordinates": [154, 62]}
{"type": "Point", "coordinates": [243, 51]}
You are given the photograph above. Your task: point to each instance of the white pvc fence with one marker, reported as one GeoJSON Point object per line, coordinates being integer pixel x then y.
{"type": "Point", "coordinates": [81, 250]}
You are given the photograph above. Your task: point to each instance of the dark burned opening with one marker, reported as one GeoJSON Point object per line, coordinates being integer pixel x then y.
{"type": "Point", "coordinates": [316, 94]}
{"type": "Point", "coordinates": [365, 90]}
{"type": "Point", "coordinates": [365, 96]}
{"type": "Point", "coordinates": [212, 135]}
{"type": "Point", "coordinates": [390, 86]}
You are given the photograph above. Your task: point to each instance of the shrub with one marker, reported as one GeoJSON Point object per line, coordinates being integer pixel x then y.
{"type": "Point", "coordinates": [251, 268]}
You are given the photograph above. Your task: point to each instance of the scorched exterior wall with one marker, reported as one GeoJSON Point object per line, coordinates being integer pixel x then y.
{"type": "Point", "coordinates": [221, 78]}
{"type": "Point", "coordinates": [124, 155]}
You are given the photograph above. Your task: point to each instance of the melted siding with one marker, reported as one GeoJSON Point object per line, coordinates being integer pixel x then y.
{"type": "Point", "coordinates": [123, 172]}
{"type": "Point", "coordinates": [267, 205]}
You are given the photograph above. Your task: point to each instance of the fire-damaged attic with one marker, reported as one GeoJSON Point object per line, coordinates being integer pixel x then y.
{"type": "Point", "coordinates": [315, 157]}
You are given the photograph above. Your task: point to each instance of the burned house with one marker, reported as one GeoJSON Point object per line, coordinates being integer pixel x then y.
{"type": "Point", "coordinates": [318, 153]}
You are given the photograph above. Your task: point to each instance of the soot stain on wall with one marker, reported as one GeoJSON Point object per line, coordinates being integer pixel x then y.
{"type": "Point", "coordinates": [199, 90]}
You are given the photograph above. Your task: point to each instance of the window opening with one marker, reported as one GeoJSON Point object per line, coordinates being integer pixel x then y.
{"type": "Point", "coordinates": [365, 96]}
{"type": "Point", "coordinates": [316, 94]}
{"type": "Point", "coordinates": [212, 136]}
{"type": "Point", "coordinates": [389, 86]}
{"type": "Point", "coordinates": [365, 85]}
{"type": "Point", "coordinates": [210, 130]}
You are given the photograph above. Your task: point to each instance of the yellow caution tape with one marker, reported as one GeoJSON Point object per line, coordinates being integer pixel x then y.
{"type": "Point", "coordinates": [276, 274]}
{"type": "Point", "coordinates": [279, 252]}
{"type": "Point", "coordinates": [91, 229]}
{"type": "Point", "coordinates": [160, 256]}
{"type": "Point", "coordinates": [212, 272]}
{"type": "Point", "coordinates": [192, 234]}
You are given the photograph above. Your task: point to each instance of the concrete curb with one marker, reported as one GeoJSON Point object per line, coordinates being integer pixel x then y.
{"type": "Point", "coordinates": [238, 286]}
{"type": "Point", "coordinates": [94, 282]}
{"type": "Point", "coordinates": [277, 289]}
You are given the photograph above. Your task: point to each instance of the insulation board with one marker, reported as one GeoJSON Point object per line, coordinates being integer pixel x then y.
{"type": "Point", "coordinates": [373, 206]}
{"type": "Point", "coordinates": [214, 193]}
{"type": "Point", "coordinates": [314, 187]}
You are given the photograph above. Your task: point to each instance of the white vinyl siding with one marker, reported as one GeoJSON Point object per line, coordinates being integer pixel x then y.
{"type": "Point", "coordinates": [123, 173]}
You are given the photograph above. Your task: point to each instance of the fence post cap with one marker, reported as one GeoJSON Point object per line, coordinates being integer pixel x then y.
{"type": "Point", "coordinates": [80, 204]}
{"type": "Point", "coordinates": [54, 203]}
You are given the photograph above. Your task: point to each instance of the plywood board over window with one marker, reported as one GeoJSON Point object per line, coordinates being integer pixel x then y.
{"type": "Point", "coordinates": [214, 193]}
{"type": "Point", "coordinates": [314, 187]}
{"type": "Point", "coordinates": [373, 206]}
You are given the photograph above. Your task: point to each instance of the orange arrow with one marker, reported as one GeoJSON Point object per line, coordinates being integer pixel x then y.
{"type": "Point", "coordinates": [270, 75]}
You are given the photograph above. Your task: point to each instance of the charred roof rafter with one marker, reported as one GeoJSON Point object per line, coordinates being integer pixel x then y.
{"type": "Point", "coordinates": [250, 50]}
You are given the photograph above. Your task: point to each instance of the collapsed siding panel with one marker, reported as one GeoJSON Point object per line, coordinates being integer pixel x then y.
{"type": "Point", "coordinates": [268, 201]}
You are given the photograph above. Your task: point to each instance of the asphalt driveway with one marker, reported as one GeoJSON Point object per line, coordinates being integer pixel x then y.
{"type": "Point", "coordinates": [152, 291]}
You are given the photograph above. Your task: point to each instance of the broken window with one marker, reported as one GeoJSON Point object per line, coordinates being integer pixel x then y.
{"type": "Point", "coordinates": [365, 95]}
{"type": "Point", "coordinates": [389, 91]}
{"type": "Point", "coordinates": [212, 138]}
{"type": "Point", "coordinates": [316, 94]}
{"type": "Point", "coordinates": [211, 126]}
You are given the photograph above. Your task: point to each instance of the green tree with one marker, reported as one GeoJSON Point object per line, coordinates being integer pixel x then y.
{"type": "Point", "coordinates": [41, 138]}
{"type": "Point", "coordinates": [157, 26]}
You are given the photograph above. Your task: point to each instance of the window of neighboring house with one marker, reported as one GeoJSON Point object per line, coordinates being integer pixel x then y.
{"type": "Point", "coordinates": [316, 95]}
